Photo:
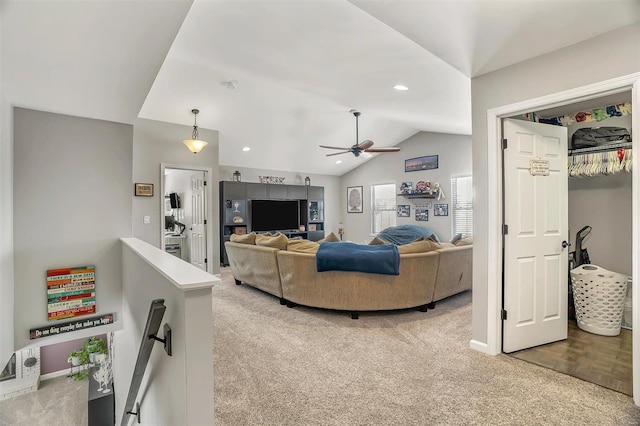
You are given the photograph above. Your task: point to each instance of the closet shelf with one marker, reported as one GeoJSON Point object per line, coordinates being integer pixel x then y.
{"type": "Point", "coordinates": [602, 148]}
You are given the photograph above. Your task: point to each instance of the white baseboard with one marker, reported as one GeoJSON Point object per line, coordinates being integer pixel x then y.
{"type": "Point", "coordinates": [480, 347]}
{"type": "Point", "coordinates": [55, 374]}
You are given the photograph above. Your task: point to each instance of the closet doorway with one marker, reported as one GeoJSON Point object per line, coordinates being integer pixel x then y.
{"type": "Point", "coordinates": [599, 196]}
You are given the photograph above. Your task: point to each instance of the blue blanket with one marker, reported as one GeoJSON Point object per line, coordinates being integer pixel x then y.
{"type": "Point", "coordinates": [345, 256]}
{"type": "Point", "coordinates": [405, 234]}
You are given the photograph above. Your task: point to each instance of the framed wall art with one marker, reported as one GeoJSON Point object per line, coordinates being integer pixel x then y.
{"type": "Point", "coordinates": [441, 209]}
{"type": "Point", "coordinates": [144, 190]}
{"type": "Point", "coordinates": [422, 215]}
{"type": "Point", "coordinates": [428, 162]}
{"type": "Point", "coordinates": [354, 199]}
{"type": "Point", "coordinates": [404, 210]}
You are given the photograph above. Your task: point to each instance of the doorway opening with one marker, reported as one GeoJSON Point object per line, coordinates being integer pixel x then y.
{"type": "Point", "coordinates": [598, 199]}
{"type": "Point", "coordinates": [186, 229]}
{"type": "Point", "coordinates": [629, 83]}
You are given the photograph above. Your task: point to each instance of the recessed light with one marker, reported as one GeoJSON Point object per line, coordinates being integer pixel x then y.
{"type": "Point", "coordinates": [338, 161]}
{"type": "Point", "coordinates": [246, 148]}
{"type": "Point", "coordinates": [400, 87]}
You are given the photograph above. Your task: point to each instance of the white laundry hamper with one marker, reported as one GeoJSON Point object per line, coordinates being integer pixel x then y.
{"type": "Point", "coordinates": [598, 296]}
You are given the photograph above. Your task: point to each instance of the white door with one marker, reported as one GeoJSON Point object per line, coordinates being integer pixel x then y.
{"type": "Point", "coordinates": [536, 216]}
{"type": "Point", "coordinates": [197, 233]}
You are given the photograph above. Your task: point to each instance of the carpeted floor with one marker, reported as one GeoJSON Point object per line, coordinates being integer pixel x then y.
{"type": "Point", "coordinates": [302, 366]}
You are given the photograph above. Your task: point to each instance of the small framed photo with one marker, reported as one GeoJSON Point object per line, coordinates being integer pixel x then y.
{"type": "Point", "coordinates": [144, 190]}
{"type": "Point", "coordinates": [404, 210]}
{"type": "Point", "coordinates": [441, 209]}
{"type": "Point", "coordinates": [312, 227]}
{"type": "Point", "coordinates": [354, 199]}
{"type": "Point", "coordinates": [422, 215]}
{"type": "Point", "coordinates": [428, 162]}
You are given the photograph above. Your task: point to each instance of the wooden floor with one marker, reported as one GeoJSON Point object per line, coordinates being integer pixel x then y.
{"type": "Point", "coordinates": [603, 360]}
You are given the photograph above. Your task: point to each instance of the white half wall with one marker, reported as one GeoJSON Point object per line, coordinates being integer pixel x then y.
{"type": "Point", "coordinates": [176, 389]}
{"type": "Point", "coordinates": [454, 159]}
{"type": "Point", "coordinates": [72, 203]}
{"type": "Point", "coordinates": [607, 56]}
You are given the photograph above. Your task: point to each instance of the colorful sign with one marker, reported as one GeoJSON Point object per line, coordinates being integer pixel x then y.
{"type": "Point", "coordinates": [71, 292]}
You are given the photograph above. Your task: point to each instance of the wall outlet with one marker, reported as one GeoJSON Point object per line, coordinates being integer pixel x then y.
{"type": "Point", "coordinates": [146, 220]}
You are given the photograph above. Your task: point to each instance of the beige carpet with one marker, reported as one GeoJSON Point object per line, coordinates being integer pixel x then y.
{"type": "Point", "coordinates": [302, 366]}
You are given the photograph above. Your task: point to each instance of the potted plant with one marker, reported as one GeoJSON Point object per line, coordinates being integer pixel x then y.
{"type": "Point", "coordinates": [74, 358]}
{"type": "Point", "coordinates": [94, 346]}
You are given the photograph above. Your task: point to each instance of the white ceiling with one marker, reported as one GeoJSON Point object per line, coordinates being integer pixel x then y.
{"type": "Point", "coordinates": [300, 66]}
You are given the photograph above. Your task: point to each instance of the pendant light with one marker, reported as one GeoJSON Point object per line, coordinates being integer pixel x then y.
{"type": "Point", "coordinates": [194, 144]}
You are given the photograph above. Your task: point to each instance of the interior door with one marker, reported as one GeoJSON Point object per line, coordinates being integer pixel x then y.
{"type": "Point", "coordinates": [536, 219]}
{"type": "Point", "coordinates": [197, 233]}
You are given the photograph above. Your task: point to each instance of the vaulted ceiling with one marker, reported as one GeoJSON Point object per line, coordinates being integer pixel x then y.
{"type": "Point", "coordinates": [297, 66]}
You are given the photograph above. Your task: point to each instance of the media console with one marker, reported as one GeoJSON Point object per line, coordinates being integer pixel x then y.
{"type": "Point", "coordinates": [294, 210]}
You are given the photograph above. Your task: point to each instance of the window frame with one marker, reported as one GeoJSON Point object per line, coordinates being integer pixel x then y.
{"type": "Point", "coordinates": [392, 211]}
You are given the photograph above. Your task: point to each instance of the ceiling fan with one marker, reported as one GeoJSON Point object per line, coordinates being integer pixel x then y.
{"type": "Point", "coordinates": [359, 148]}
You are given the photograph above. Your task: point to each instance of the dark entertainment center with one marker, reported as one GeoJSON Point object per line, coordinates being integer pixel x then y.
{"type": "Point", "coordinates": [294, 210]}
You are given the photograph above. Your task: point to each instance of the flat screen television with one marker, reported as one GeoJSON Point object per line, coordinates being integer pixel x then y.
{"type": "Point", "coordinates": [272, 215]}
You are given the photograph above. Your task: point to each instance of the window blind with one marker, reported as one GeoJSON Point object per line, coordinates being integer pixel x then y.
{"type": "Point", "coordinates": [462, 206]}
{"type": "Point", "coordinates": [383, 207]}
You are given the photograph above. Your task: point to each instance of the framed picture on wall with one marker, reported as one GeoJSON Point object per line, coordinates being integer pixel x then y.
{"type": "Point", "coordinates": [354, 199]}
{"type": "Point", "coordinates": [422, 215]}
{"type": "Point", "coordinates": [441, 209]}
{"type": "Point", "coordinates": [404, 210]}
{"type": "Point", "coordinates": [144, 190]}
{"type": "Point", "coordinates": [428, 162]}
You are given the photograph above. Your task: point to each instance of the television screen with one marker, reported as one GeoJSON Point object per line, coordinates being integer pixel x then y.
{"type": "Point", "coordinates": [269, 215]}
{"type": "Point", "coordinates": [174, 199]}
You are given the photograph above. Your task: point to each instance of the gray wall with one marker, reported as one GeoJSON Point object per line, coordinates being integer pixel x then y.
{"type": "Point", "coordinates": [72, 202]}
{"type": "Point", "coordinates": [607, 56]}
{"type": "Point", "coordinates": [6, 230]}
{"type": "Point", "coordinates": [454, 157]}
{"type": "Point", "coordinates": [156, 142]}
{"type": "Point", "coordinates": [331, 184]}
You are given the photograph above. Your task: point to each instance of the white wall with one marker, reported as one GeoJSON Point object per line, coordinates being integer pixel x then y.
{"type": "Point", "coordinates": [604, 57]}
{"type": "Point", "coordinates": [454, 159]}
{"type": "Point", "coordinates": [156, 142]}
{"type": "Point", "coordinates": [331, 186]}
{"type": "Point", "coordinates": [176, 389]}
{"type": "Point", "coordinates": [72, 202]}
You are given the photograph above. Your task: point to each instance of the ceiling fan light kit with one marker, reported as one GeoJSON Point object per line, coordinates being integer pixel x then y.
{"type": "Point", "coordinates": [194, 144]}
{"type": "Point", "coordinates": [359, 149]}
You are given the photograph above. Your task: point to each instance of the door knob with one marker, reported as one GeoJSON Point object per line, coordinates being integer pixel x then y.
{"type": "Point", "coordinates": [565, 244]}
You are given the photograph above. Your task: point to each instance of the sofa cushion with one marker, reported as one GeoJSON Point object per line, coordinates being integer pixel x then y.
{"type": "Point", "coordinates": [421, 245]}
{"type": "Point", "coordinates": [465, 242]}
{"type": "Point", "coordinates": [244, 239]}
{"type": "Point", "coordinates": [377, 241]}
{"type": "Point", "coordinates": [302, 246]}
{"type": "Point", "coordinates": [331, 238]}
{"type": "Point", "coordinates": [277, 240]}
{"type": "Point", "coordinates": [446, 245]}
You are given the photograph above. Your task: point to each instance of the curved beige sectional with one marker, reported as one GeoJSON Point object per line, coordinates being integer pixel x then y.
{"type": "Point", "coordinates": [424, 279]}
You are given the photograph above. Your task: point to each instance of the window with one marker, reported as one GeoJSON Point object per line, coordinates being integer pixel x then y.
{"type": "Point", "coordinates": [462, 206]}
{"type": "Point", "coordinates": [383, 207]}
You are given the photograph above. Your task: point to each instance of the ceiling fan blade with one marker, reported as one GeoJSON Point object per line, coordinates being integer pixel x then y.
{"type": "Point", "coordinates": [390, 149]}
{"type": "Point", "coordinates": [338, 153]}
{"type": "Point", "coordinates": [333, 147]}
{"type": "Point", "coordinates": [364, 145]}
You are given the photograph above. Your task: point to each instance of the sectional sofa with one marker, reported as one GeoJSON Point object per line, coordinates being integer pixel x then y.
{"type": "Point", "coordinates": [289, 273]}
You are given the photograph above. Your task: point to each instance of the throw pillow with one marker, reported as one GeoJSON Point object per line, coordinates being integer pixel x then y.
{"type": "Point", "coordinates": [377, 241]}
{"type": "Point", "coordinates": [455, 239]}
{"type": "Point", "coordinates": [278, 241]}
{"type": "Point", "coordinates": [331, 238]}
{"type": "Point", "coordinates": [302, 246]}
{"type": "Point", "coordinates": [244, 239]}
{"type": "Point", "coordinates": [465, 242]}
{"type": "Point", "coordinates": [419, 246]}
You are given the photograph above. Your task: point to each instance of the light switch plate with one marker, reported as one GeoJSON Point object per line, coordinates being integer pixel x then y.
{"type": "Point", "coordinates": [146, 220]}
